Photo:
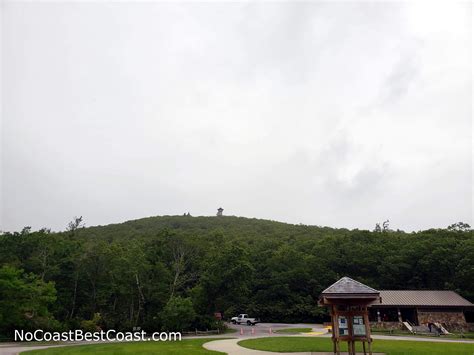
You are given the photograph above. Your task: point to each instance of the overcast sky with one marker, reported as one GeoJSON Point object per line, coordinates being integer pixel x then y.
{"type": "Point", "coordinates": [337, 114]}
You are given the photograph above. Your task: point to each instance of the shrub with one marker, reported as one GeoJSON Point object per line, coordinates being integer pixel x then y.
{"type": "Point", "coordinates": [178, 314]}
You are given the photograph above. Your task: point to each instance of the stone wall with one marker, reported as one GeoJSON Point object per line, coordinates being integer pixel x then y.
{"type": "Point", "coordinates": [451, 320]}
{"type": "Point", "coordinates": [470, 327]}
{"type": "Point", "coordinates": [386, 325]}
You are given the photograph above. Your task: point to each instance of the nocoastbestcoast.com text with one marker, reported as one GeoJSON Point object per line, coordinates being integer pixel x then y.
{"type": "Point", "coordinates": [109, 335]}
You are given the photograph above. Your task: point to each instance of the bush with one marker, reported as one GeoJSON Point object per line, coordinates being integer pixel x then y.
{"type": "Point", "coordinates": [208, 322]}
{"type": "Point", "coordinates": [91, 325]}
{"type": "Point", "coordinates": [178, 314]}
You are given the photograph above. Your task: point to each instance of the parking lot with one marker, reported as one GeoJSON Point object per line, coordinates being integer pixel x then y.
{"type": "Point", "coordinates": [261, 329]}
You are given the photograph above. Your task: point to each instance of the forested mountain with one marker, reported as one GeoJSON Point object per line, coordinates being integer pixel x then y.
{"type": "Point", "coordinates": [174, 272]}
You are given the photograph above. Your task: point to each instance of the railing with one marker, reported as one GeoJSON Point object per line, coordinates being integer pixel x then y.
{"type": "Point", "coordinates": [202, 332]}
{"type": "Point", "coordinates": [441, 328]}
{"type": "Point", "coordinates": [409, 326]}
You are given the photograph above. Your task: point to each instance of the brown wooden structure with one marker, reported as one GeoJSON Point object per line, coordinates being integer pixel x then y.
{"type": "Point", "coordinates": [347, 300]}
{"type": "Point", "coordinates": [419, 308]}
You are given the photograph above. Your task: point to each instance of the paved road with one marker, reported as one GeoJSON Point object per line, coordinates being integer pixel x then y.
{"type": "Point", "coordinates": [268, 329]}
{"type": "Point", "coordinates": [14, 348]}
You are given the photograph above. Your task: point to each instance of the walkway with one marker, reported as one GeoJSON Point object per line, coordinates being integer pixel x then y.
{"type": "Point", "coordinates": [231, 347]}
{"type": "Point", "coordinates": [16, 349]}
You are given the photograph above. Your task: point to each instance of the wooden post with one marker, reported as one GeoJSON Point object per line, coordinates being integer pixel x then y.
{"type": "Point", "coordinates": [367, 331]}
{"type": "Point", "coordinates": [333, 335]}
{"type": "Point", "coordinates": [351, 333]}
{"type": "Point", "coordinates": [367, 326]}
{"type": "Point", "coordinates": [336, 330]}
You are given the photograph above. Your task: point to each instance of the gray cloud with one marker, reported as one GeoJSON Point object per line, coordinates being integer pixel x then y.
{"type": "Point", "coordinates": [340, 114]}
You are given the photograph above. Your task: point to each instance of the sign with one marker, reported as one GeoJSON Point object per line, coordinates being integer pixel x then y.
{"type": "Point", "coordinates": [358, 326]}
{"type": "Point", "coordinates": [343, 328]}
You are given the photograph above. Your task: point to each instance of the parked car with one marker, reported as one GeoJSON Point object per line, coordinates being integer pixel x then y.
{"type": "Point", "coordinates": [244, 318]}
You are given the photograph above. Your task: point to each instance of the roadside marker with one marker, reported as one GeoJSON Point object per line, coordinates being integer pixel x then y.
{"type": "Point", "coordinates": [270, 331]}
{"type": "Point", "coordinates": [241, 331]}
{"type": "Point", "coordinates": [253, 331]}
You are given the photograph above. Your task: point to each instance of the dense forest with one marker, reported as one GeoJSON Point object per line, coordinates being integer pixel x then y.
{"type": "Point", "coordinates": [175, 272]}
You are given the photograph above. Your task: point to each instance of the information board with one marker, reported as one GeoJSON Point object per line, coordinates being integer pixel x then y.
{"type": "Point", "coordinates": [358, 326]}
{"type": "Point", "coordinates": [343, 326]}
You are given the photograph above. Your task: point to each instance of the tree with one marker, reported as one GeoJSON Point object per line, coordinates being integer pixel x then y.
{"type": "Point", "coordinates": [382, 227]}
{"type": "Point", "coordinates": [178, 314]}
{"type": "Point", "coordinates": [26, 230]}
{"type": "Point", "coordinates": [459, 227]}
{"type": "Point", "coordinates": [93, 324]}
{"type": "Point", "coordinates": [24, 300]}
{"type": "Point", "coordinates": [182, 255]}
{"type": "Point", "coordinates": [75, 224]}
{"type": "Point", "coordinates": [225, 283]}
{"type": "Point", "coordinates": [377, 228]}
{"type": "Point", "coordinates": [140, 272]}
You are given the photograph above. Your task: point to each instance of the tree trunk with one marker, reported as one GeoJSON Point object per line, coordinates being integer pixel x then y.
{"type": "Point", "coordinates": [141, 299]}
{"type": "Point", "coordinates": [74, 296]}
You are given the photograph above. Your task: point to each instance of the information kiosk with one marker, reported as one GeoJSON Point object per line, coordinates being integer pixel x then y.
{"type": "Point", "coordinates": [347, 301]}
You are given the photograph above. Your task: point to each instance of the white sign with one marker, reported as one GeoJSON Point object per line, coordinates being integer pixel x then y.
{"type": "Point", "coordinates": [358, 329]}
{"type": "Point", "coordinates": [343, 326]}
{"type": "Point", "coordinates": [342, 322]}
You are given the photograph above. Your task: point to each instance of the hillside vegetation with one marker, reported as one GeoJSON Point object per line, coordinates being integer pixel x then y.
{"type": "Point", "coordinates": [174, 272]}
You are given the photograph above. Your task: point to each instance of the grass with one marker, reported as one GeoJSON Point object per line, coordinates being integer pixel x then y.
{"type": "Point", "coordinates": [397, 332]}
{"type": "Point", "coordinates": [184, 347]}
{"type": "Point", "coordinates": [293, 330]}
{"type": "Point", "coordinates": [389, 347]}
{"type": "Point", "coordinates": [467, 335]}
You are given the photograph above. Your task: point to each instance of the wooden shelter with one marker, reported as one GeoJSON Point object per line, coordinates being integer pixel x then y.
{"type": "Point", "coordinates": [348, 300]}
{"type": "Point", "coordinates": [416, 309]}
